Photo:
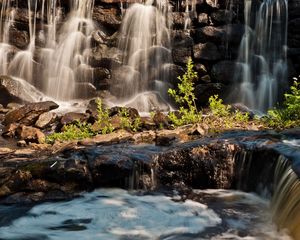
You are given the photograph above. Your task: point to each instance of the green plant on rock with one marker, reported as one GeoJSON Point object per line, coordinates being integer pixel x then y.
{"type": "Point", "coordinates": [74, 131]}
{"type": "Point", "coordinates": [185, 97]}
{"type": "Point", "coordinates": [127, 122]}
{"type": "Point", "coordinates": [217, 107]}
{"type": "Point", "coordinates": [241, 117]}
{"type": "Point", "coordinates": [136, 124]}
{"type": "Point", "coordinates": [104, 120]}
{"type": "Point", "coordinates": [292, 101]}
{"type": "Point", "coordinates": [289, 114]}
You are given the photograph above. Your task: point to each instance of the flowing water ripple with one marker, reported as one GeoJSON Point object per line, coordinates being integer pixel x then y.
{"type": "Point", "coordinates": [119, 214]}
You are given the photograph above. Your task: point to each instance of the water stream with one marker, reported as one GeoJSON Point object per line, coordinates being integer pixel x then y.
{"type": "Point", "coordinates": [119, 214]}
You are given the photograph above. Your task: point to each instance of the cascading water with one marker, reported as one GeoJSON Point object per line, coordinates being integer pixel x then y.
{"type": "Point", "coordinates": [145, 41]}
{"type": "Point", "coordinates": [60, 59]}
{"type": "Point", "coordinates": [273, 176]}
{"type": "Point", "coordinates": [22, 65]}
{"type": "Point", "coordinates": [68, 57]}
{"type": "Point", "coordinates": [262, 62]}
{"type": "Point", "coordinates": [190, 13]}
{"type": "Point", "coordinates": [7, 19]}
{"type": "Point", "coordinates": [286, 204]}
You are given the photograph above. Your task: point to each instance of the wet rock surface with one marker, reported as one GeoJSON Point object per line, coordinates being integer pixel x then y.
{"type": "Point", "coordinates": [44, 172]}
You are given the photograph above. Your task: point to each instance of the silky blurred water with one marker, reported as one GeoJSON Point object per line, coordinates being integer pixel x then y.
{"type": "Point", "coordinates": [119, 214]}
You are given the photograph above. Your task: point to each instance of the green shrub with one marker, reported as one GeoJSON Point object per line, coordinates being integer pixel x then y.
{"type": "Point", "coordinates": [241, 117]}
{"type": "Point", "coordinates": [185, 97]}
{"type": "Point", "coordinates": [104, 119]}
{"type": "Point", "coordinates": [125, 120]}
{"type": "Point", "coordinates": [289, 114]}
{"type": "Point", "coordinates": [136, 124]}
{"type": "Point", "coordinates": [74, 131]}
{"type": "Point", "coordinates": [217, 107]}
{"type": "Point", "coordinates": [127, 123]}
{"type": "Point", "coordinates": [292, 101]}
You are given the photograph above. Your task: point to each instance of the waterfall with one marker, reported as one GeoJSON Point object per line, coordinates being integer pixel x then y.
{"type": "Point", "coordinates": [262, 61]}
{"type": "Point", "coordinates": [145, 44]}
{"type": "Point", "coordinates": [7, 19]}
{"type": "Point", "coordinates": [60, 60]}
{"type": "Point", "coordinates": [190, 13]}
{"type": "Point", "coordinates": [69, 55]}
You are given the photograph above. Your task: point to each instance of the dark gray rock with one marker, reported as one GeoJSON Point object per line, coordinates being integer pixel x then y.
{"type": "Point", "coordinates": [200, 69]}
{"type": "Point", "coordinates": [204, 91]}
{"type": "Point", "coordinates": [104, 56]}
{"type": "Point", "coordinates": [206, 51]}
{"type": "Point", "coordinates": [170, 73]}
{"type": "Point", "coordinates": [222, 16]}
{"type": "Point", "coordinates": [181, 55]}
{"type": "Point", "coordinates": [210, 34]}
{"type": "Point", "coordinates": [224, 72]}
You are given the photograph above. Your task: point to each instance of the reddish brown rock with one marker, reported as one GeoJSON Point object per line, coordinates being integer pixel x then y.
{"type": "Point", "coordinates": [29, 113]}
{"type": "Point", "coordinates": [30, 134]}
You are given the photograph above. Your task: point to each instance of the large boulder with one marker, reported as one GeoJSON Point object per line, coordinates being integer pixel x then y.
{"type": "Point", "coordinates": [203, 19]}
{"type": "Point", "coordinates": [170, 72]}
{"type": "Point", "coordinates": [182, 45]}
{"type": "Point", "coordinates": [18, 38]}
{"type": "Point", "coordinates": [206, 51]}
{"type": "Point", "coordinates": [73, 117]}
{"type": "Point", "coordinates": [204, 91]}
{"type": "Point", "coordinates": [210, 34]}
{"type": "Point", "coordinates": [294, 9]}
{"type": "Point", "coordinates": [109, 18]}
{"type": "Point", "coordinates": [30, 134]}
{"type": "Point", "coordinates": [85, 90]}
{"type": "Point", "coordinates": [17, 90]}
{"type": "Point", "coordinates": [294, 33]}
{"type": "Point", "coordinates": [222, 16]}
{"type": "Point", "coordinates": [104, 56]}
{"type": "Point", "coordinates": [181, 55]}
{"type": "Point", "coordinates": [45, 119]}
{"type": "Point", "coordinates": [29, 113]}
{"type": "Point", "coordinates": [223, 72]}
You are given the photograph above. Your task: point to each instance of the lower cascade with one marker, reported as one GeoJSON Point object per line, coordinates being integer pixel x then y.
{"type": "Point", "coordinates": [166, 196]}
{"type": "Point", "coordinates": [285, 203]}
